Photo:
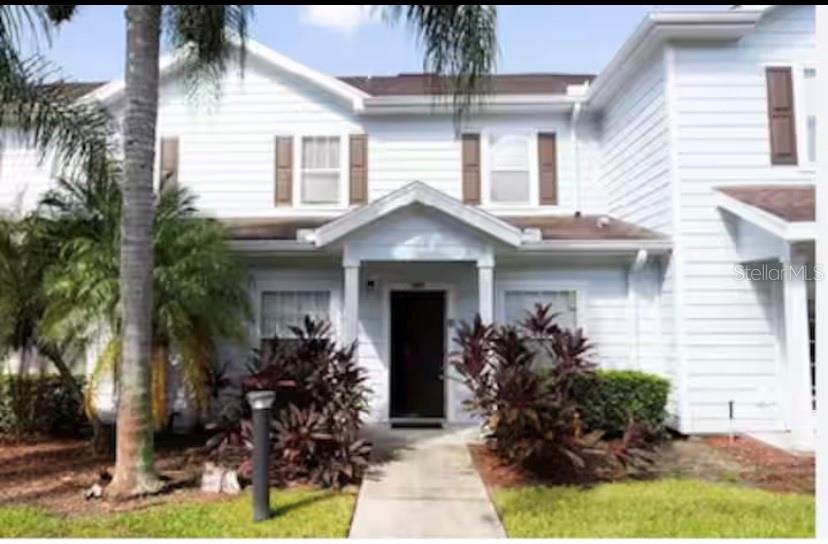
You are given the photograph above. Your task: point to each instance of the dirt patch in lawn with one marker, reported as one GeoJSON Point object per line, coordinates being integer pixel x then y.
{"type": "Point", "coordinates": [768, 467]}
{"type": "Point", "coordinates": [745, 462]}
{"type": "Point", "coordinates": [54, 473]}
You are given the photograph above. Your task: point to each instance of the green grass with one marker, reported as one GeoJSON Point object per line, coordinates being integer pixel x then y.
{"type": "Point", "coordinates": [665, 508]}
{"type": "Point", "coordinates": [298, 513]}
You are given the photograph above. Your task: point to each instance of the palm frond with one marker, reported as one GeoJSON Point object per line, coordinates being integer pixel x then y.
{"type": "Point", "coordinates": [460, 46]}
{"type": "Point", "coordinates": [30, 21]}
{"type": "Point", "coordinates": [205, 37]}
{"type": "Point", "coordinates": [105, 364]}
{"type": "Point", "coordinates": [74, 134]}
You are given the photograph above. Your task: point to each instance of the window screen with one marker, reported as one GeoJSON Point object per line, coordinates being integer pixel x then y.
{"type": "Point", "coordinates": [563, 303]}
{"type": "Point", "coordinates": [284, 309]}
{"type": "Point", "coordinates": [509, 168]}
{"type": "Point", "coordinates": [320, 170]}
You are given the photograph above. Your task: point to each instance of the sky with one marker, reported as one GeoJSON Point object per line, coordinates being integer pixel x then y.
{"type": "Point", "coordinates": [356, 40]}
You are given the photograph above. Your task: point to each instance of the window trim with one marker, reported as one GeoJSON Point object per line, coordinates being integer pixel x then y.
{"type": "Point", "coordinates": [800, 118]}
{"type": "Point", "coordinates": [579, 288]}
{"type": "Point", "coordinates": [344, 173]}
{"type": "Point", "coordinates": [534, 175]}
{"type": "Point", "coordinates": [267, 283]}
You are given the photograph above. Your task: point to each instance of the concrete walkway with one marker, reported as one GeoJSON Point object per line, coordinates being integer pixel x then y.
{"type": "Point", "coordinates": [423, 484]}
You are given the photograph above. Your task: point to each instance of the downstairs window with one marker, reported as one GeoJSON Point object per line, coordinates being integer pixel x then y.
{"type": "Point", "coordinates": [284, 309]}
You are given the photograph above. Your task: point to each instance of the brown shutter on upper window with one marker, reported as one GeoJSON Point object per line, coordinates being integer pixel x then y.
{"type": "Point", "coordinates": [781, 119]}
{"type": "Point", "coordinates": [168, 163]}
{"type": "Point", "coordinates": [471, 168]}
{"type": "Point", "coordinates": [358, 147]}
{"type": "Point", "coordinates": [284, 171]}
{"type": "Point", "coordinates": [548, 169]}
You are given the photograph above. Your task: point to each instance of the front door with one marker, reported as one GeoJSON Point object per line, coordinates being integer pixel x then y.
{"type": "Point", "coordinates": [417, 351]}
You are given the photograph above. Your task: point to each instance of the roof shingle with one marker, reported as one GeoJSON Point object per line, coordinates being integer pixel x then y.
{"type": "Point", "coordinates": [586, 227]}
{"type": "Point", "coordinates": [790, 202]}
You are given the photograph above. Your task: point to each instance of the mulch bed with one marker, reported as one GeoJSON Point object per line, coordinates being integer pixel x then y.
{"type": "Point", "coordinates": [768, 467]}
{"type": "Point", "coordinates": [745, 461]}
{"type": "Point", "coordinates": [54, 473]}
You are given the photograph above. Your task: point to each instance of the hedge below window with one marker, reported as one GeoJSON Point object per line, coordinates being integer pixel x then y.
{"type": "Point", "coordinates": [612, 397]}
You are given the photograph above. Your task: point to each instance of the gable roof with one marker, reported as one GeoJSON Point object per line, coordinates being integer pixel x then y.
{"type": "Point", "coordinates": [431, 84]}
{"type": "Point", "coordinates": [418, 193]}
{"type": "Point", "coordinates": [174, 61]}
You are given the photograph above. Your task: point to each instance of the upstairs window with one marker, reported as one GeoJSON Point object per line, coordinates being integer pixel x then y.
{"type": "Point", "coordinates": [509, 160]}
{"type": "Point", "coordinates": [321, 170]}
{"type": "Point", "coordinates": [809, 113]}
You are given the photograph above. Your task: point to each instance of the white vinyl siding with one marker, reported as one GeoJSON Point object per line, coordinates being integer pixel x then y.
{"type": "Point", "coordinates": [728, 346]}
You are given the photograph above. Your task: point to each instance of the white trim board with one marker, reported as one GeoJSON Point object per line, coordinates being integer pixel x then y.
{"type": "Point", "coordinates": [418, 193]}
{"type": "Point", "coordinates": [796, 231]}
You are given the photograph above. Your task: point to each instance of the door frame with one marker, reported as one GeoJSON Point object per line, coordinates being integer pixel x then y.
{"type": "Point", "coordinates": [448, 318]}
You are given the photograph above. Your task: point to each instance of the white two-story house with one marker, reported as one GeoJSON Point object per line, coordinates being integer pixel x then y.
{"type": "Point", "coordinates": [654, 205]}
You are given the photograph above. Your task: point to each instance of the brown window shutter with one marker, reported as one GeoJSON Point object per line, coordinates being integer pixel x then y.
{"type": "Point", "coordinates": [358, 147]}
{"type": "Point", "coordinates": [548, 169]}
{"type": "Point", "coordinates": [284, 171]}
{"type": "Point", "coordinates": [471, 168]}
{"type": "Point", "coordinates": [168, 162]}
{"type": "Point", "coordinates": [781, 116]}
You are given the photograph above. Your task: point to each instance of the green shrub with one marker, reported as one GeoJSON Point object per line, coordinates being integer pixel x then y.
{"type": "Point", "coordinates": [610, 398]}
{"type": "Point", "coordinates": [38, 405]}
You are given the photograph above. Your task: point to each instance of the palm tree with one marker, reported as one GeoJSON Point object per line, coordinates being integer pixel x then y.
{"type": "Point", "coordinates": [73, 134]}
{"type": "Point", "coordinates": [194, 273]}
{"type": "Point", "coordinates": [25, 254]}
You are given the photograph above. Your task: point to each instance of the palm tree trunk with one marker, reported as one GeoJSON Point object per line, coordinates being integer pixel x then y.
{"type": "Point", "coordinates": [160, 359]}
{"type": "Point", "coordinates": [134, 462]}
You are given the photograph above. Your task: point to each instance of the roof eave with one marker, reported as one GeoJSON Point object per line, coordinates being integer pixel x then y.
{"type": "Point", "coordinates": [659, 28]}
{"type": "Point", "coordinates": [505, 103]}
{"type": "Point", "coordinates": [604, 246]}
{"type": "Point", "coordinates": [790, 231]}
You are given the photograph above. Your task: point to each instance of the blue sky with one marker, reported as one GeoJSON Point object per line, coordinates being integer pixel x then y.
{"type": "Point", "coordinates": [348, 40]}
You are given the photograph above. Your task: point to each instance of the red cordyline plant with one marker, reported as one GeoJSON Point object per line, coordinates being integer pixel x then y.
{"type": "Point", "coordinates": [321, 395]}
{"type": "Point", "coordinates": [529, 412]}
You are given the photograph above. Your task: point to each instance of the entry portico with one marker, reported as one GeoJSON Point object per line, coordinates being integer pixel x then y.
{"type": "Point", "coordinates": [418, 232]}
{"type": "Point", "coordinates": [386, 272]}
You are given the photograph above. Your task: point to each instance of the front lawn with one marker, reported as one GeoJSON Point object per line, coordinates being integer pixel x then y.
{"type": "Point", "coordinates": [664, 508]}
{"type": "Point", "coordinates": [298, 513]}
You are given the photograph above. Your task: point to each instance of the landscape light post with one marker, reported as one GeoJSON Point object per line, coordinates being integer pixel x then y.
{"type": "Point", "coordinates": [261, 403]}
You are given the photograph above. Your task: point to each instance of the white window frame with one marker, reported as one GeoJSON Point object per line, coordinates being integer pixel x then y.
{"type": "Point", "coordinates": [798, 78]}
{"type": "Point", "coordinates": [485, 168]}
{"type": "Point", "coordinates": [295, 283]}
{"type": "Point", "coordinates": [344, 173]}
{"type": "Point", "coordinates": [580, 290]}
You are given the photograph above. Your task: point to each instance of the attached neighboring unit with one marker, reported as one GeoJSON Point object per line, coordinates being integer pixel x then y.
{"type": "Point", "coordinates": [665, 206]}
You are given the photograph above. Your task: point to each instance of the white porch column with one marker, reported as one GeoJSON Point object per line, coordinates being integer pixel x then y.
{"type": "Point", "coordinates": [797, 351]}
{"type": "Point", "coordinates": [485, 283]}
{"type": "Point", "coordinates": [350, 313]}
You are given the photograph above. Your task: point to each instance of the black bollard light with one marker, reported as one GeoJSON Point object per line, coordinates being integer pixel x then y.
{"type": "Point", "coordinates": [261, 402]}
